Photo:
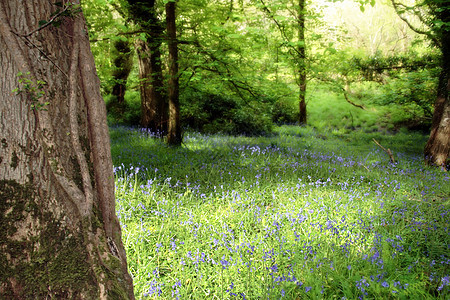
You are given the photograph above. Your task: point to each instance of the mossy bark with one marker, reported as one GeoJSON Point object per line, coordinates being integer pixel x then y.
{"type": "Point", "coordinates": [60, 237]}
{"type": "Point", "coordinates": [39, 257]}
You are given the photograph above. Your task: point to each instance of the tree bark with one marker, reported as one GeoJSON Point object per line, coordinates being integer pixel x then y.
{"type": "Point", "coordinates": [174, 131]}
{"type": "Point", "coordinates": [301, 50]}
{"type": "Point", "coordinates": [153, 101]}
{"type": "Point", "coordinates": [437, 149]}
{"type": "Point", "coordinates": [59, 234]}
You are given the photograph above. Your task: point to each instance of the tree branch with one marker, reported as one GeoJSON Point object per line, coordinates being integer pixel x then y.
{"type": "Point", "coordinates": [388, 151]}
{"type": "Point", "coordinates": [280, 27]}
{"type": "Point", "coordinates": [344, 91]}
{"type": "Point", "coordinates": [52, 19]}
{"type": "Point", "coordinates": [397, 5]}
{"type": "Point", "coordinates": [118, 33]}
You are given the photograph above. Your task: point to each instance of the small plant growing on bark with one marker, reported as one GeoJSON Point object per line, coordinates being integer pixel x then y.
{"type": "Point", "coordinates": [34, 91]}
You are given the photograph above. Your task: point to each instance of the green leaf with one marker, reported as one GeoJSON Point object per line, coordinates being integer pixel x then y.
{"type": "Point", "coordinates": [42, 23]}
{"type": "Point", "coordinates": [234, 35]}
{"type": "Point", "coordinates": [280, 18]}
{"type": "Point", "coordinates": [143, 36]}
{"type": "Point", "coordinates": [331, 50]}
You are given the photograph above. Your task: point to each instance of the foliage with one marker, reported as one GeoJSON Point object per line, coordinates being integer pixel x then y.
{"type": "Point", "coordinates": [237, 50]}
{"type": "Point", "coordinates": [121, 56]}
{"type": "Point", "coordinates": [211, 113]}
{"type": "Point", "coordinates": [407, 80]}
{"type": "Point", "coordinates": [284, 112]}
{"type": "Point", "coordinates": [415, 92]}
{"type": "Point", "coordinates": [379, 67]}
{"type": "Point", "coordinates": [127, 113]}
{"type": "Point", "coordinates": [304, 214]}
{"type": "Point", "coordinates": [106, 27]}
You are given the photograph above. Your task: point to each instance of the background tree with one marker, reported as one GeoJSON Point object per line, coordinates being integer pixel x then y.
{"type": "Point", "coordinates": [122, 57]}
{"type": "Point", "coordinates": [174, 128]}
{"type": "Point", "coordinates": [153, 99]}
{"type": "Point", "coordinates": [301, 59]}
{"type": "Point", "coordinates": [123, 64]}
{"type": "Point", "coordinates": [435, 16]}
{"type": "Point", "coordinates": [294, 40]}
{"type": "Point", "coordinates": [222, 47]}
{"type": "Point", "coordinates": [60, 237]}
{"type": "Point", "coordinates": [237, 68]}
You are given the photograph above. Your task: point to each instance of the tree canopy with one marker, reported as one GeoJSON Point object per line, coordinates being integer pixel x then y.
{"type": "Point", "coordinates": [251, 59]}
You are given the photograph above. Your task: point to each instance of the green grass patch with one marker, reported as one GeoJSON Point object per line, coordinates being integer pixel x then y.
{"type": "Point", "coordinates": [300, 214]}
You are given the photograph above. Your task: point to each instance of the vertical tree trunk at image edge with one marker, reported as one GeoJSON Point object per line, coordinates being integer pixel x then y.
{"type": "Point", "coordinates": [60, 237]}
{"type": "Point", "coordinates": [174, 130]}
{"type": "Point", "coordinates": [302, 62]}
{"type": "Point", "coordinates": [437, 149]}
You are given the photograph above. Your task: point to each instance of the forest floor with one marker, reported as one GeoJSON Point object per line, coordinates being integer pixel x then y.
{"type": "Point", "coordinates": [300, 214]}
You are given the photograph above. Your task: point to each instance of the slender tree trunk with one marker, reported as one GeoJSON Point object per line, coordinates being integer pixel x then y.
{"type": "Point", "coordinates": [59, 234]}
{"type": "Point", "coordinates": [174, 132]}
{"type": "Point", "coordinates": [302, 80]}
{"type": "Point", "coordinates": [437, 149]}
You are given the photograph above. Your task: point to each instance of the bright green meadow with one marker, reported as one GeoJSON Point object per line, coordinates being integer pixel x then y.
{"type": "Point", "coordinates": [298, 214]}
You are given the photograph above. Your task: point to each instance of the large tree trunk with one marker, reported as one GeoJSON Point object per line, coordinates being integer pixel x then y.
{"type": "Point", "coordinates": [301, 50]}
{"type": "Point", "coordinates": [437, 149]}
{"type": "Point", "coordinates": [174, 130]}
{"type": "Point", "coordinates": [59, 234]}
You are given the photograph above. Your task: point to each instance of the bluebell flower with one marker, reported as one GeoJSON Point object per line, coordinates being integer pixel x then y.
{"type": "Point", "coordinates": [445, 281]}
{"type": "Point", "coordinates": [231, 287]}
{"type": "Point", "coordinates": [224, 263]}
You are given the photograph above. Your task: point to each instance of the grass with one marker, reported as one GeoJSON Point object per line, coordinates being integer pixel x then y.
{"type": "Point", "coordinates": [298, 215]}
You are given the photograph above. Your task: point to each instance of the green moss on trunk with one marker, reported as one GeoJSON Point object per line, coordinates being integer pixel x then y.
{"type": "Point", "coordinates": [51, 264]}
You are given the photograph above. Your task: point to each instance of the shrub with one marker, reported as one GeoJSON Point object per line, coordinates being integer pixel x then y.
{"type": "Point", "coordinates": [127, 113]}
{"type": "Point", "coordinates": [417, 90]}
{"type": "Point", "coordinates": [212, 113]}
{"type": "Point", "coordinates": [284, 112]}
{"type": "Point", "coordinates": [252, 120]}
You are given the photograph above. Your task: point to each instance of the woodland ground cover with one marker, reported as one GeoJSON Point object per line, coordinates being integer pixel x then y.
{"type": "Point", "coordinates": [295, 215]}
